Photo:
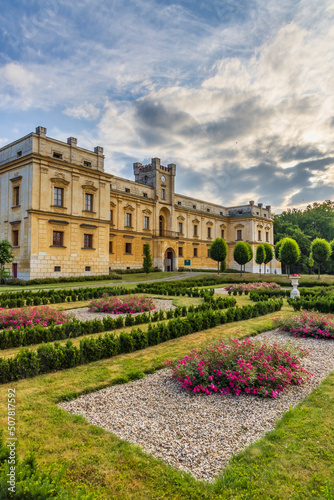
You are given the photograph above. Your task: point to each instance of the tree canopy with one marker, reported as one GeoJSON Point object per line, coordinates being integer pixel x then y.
{"type": "Point", "coordinates": [241, 254]}
{"type": "Point", "coordinates": [260, 256]}
{"type": "Point", "coordinates": [6, 255]}
{"type": "Point", "coordinates": [321, 250]}
{"type": "Point", "coordinates": [218, 250]}
{"type": "Point", "coordinates": [289, 252]}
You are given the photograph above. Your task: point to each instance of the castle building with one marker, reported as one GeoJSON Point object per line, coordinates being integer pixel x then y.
{"type": "Point", "coordinates": [65, 216]}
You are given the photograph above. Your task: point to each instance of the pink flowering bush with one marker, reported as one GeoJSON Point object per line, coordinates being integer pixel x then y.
{"type": "Point", "coordinates": [240, 366]}
{"type": "Point", "coordinates": [31, 316]}
{"type": "Point", "coordinates": [121, 305]}
{"type": "Point", "coordinates": [252, 286]}
{"type": "Point", "coordinates": [308, 324]}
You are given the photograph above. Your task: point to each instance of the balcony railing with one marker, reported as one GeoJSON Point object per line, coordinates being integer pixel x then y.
{"type": "Point", "coordinates": [164, 233]}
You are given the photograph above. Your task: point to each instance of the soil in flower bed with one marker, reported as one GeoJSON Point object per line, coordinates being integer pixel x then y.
{"type": "Point", "coordinates": [84, 314]}
{"type": "Point", "coordinates": [198, 433]}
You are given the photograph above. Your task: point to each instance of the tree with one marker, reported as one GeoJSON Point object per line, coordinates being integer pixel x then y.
{"type": "Point", "coordinates": [147, 262]}
{"type": "Point", "coordinates": [321, 251]}
{"type": "Point", "coordinates": [218, 250]}
{"type": "Point", "coordinates": [277, 249]}
{"type": "Point", "coordinates": [269, 255]}
{"type": "Point", "coordinates": [241, 254]}
{"type": "Point", "coordinates": [6, 256]}
{"type": "Point", "coordinates": [250, 252]}
{"type": "Point", "coordinates": [223, 265]}
{"type": "Point", "coordinates": [310, 262]}
{"type": "Point", "coordinates": [289, 252]}
{"type": "Point", "coordinates": [260, 256]}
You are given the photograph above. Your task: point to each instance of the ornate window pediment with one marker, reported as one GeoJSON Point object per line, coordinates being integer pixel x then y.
{"type": "Point", "coordinates": [196, 221]}
{"type": "Point", "coordinates": [209, 223]}
{"type": "Point", "coordinates": [59, 181]}
{"type": "Point", "coordinates": [239, 226]}
{"type": "Point", "coordinates": [181, 218]}
{"type": "Point", "coordinates": [259, 226]}
{"type": "Point", "coordinates": [129, 208]}
{"type": "Point", "coordinates": [89, 186]}
{"type": "Point", "coordinates": [147, 211]}
{"type": "Point", "coordinates": [112, 204]}
{"type": "Point", "coordinates": [222, 226]}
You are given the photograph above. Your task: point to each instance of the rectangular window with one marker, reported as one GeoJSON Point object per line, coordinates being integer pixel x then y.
{"type": "Point", "coordinates": [239, 234]}
{"type": "Point", "coordinates": [208, 209]}
{"type": "Point", "coordinates": [195, 230]}
{"type": "Point", "coordinates": [57, 269]}
{"type": "Point", "coordinates": [194, 206]}
{"type": "Point", "coordinates": [16, 196]}
{"type": "Point", "coordinates": [195, 252]}
{"type": "Point", "coordinates": [127, 190]}
{"type": "Point", "coordinates": [179, 203]}
{"type": "Point", "coordinates": [110, 246]}
{"type": "Point", "coordinates": [58, 238]}
{"type": "Point", "coordinates": [88, 241]}
{"type": "Point", "coordinates": [209, 232]}
{"type": "Point", "coordinates": [58, 155]}
{"type": "Point", "coordinates": [128, 220]}
{"type": "Point", "coordinates": [15, 238]}
{"type": "Point", "coordinates": [88, 202]}
{"type": "Point", "coordinates": [128, 248]}
{"type": "Point", "coordinates": [208, 252]}
{"type": "Point", "coordinates": [145, 195]}
{"type": "Point", "coordinates": [87, 268]}
{"type": "Point", "coordinates": [163, 194]}
{"type": "Point", "coordinates": [111, 216]}
{"type": "Point", "coordinates": [146, 222]}
{"type": "Point", "coordinates": [222, 233]}
{"type": "Point", "coordinates": [180, 227]}
{"type": "Point", "coordinates": [267, 237]}
{"type": "Point", "coordinates": [180, 251]}
{"type": "Point", "coordinates": [87, 164]}
{"type": "Point", "coordinates": [259, 235]}
{"type": "Point", "coordinates": [58, 198]}
{"type": "Point", "coordinates": [18, 154]}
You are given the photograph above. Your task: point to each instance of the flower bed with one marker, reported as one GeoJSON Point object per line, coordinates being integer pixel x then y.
{"type": "Point", "coordinates": [246, 288]}
{"type": "Point", "coordinates": [30, 317]}
{"type": "Point", "coordinates": [240, 366]}
{"type": "Point", "coordinates": [308, 324]}
{"type": "Point", "coordinates": [124, 305]}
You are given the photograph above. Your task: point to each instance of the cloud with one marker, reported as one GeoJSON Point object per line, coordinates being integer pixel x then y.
{"type": "Point", "coordinates": [237, 93]}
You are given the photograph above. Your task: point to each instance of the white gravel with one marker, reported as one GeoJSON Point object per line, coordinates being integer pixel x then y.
{"type": "Point", "coordinates": [83, 313]}
{"type": "Point", "coordinates": [198, 433]}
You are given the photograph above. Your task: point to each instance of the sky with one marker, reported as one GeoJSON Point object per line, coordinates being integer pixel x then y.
{"type": "Point", "coordinates": [239, 94]}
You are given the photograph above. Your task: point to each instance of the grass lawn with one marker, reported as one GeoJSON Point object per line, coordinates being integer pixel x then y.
{"type": "Point", "coordinates": [293, 461]}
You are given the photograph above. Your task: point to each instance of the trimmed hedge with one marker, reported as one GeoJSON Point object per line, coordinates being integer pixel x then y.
{"type": "Point", "coordinates": [321, 304]}
{"type": "Point", "coordinates": [70, 279]}
{"type": "Point", "coordinates": [37, 334]}
{"type": "Point", "coordinates": [29, 363]}
{"type": "Point", "coordinates": [259, 295]}
{"type": "Point", "coordinates": [30, 298]}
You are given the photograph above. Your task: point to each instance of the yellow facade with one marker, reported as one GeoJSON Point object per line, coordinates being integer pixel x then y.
{"type": "Point", "coordinates": [65, 216]}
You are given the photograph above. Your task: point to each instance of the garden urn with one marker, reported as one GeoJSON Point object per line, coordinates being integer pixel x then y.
{"type": "Point", "coordinates": [294, 281]}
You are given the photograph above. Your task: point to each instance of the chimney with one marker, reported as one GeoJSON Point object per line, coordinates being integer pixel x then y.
{"type": "Point", "coordinates": [72, 141]}
{"type": "Point", "coordinates": [260, 205]}
{"type": "Point", "coordinates": [98, 150]}
{"type": "Point", "coordinates": [251, 203]}
{"type": "Point", "coordinates": [41, 131]}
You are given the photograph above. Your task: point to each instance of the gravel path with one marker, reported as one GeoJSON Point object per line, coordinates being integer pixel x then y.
{"type": "Point", "coordinates": [83, 314]}
{"type": "Point", "coordinates": [197, 433]}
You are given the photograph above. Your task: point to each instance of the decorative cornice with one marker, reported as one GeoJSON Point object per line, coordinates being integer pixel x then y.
{"type": "Point", "coordinates": [112, 204]}
{"type": "Point", "coordinates": [17, 178]}
{"type": "Point", "coordinates": [196, 221]}
{"type": "Point", "coordinates": [181, 218]}
{"type": "Point", "coordinates": [89, 187]}
{"type": "Point", "coordinates": [239, 226]}
{"type": "Point", "coordinates": [147, 211]}
{"type": "Point", "coordinates": [129, 207]}
{"type": "Point", "coordinates": [209, 223]}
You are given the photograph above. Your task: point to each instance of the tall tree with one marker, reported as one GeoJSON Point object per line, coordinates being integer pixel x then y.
{"type": "Point", "coordinates": [241, 254]}
{"type": "Point", "coordinates": [6, 255]}
{"type": "Point", "coordinates": [289, 252]}
{"type": "Point", "coordinates": [218, 250]}
{"type": "Point", "coordinates": [321, 251]}
{"type": "Point", "coordinates": [260, 256]}
{"type": "Point", "coordinates": [269, 255]}
{"type": "Point", "coordinates": [147, 262]}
